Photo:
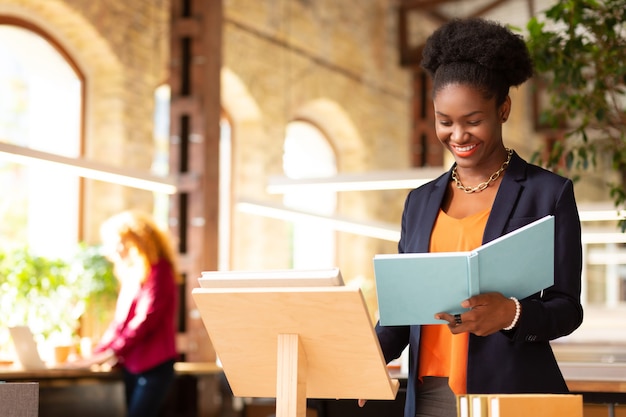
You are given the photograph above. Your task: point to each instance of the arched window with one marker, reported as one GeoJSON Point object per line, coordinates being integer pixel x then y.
{"type": "Point", "coordinates": [307, 154]}
{"type": "Point", "coordinates": [40, 109]}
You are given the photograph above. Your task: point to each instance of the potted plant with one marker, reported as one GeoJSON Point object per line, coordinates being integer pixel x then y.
{"type": "Point", "coordinates": [52, 296]}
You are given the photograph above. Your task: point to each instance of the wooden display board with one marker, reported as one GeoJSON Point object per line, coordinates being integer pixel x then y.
{"type": "Point", "coordinates": [295, 343]}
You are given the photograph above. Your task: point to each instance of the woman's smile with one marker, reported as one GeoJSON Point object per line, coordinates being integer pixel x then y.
{"type": "Point", "coordinates": [464, 151]}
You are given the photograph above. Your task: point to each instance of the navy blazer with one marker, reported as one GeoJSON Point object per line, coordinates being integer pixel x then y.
{"type": "Point", "coordinates": [520, 360]}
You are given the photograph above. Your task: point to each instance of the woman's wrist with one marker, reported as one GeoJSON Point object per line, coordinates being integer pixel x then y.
{"type": "Point", "coordinates": [518, 311]}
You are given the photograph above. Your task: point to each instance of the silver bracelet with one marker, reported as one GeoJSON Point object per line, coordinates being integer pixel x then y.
{"type": "Point", "coordinates": [518, 310]}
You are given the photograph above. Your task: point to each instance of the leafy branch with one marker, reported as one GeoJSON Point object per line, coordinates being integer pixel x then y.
{"type": "Point", "coordinates": [579, 51]}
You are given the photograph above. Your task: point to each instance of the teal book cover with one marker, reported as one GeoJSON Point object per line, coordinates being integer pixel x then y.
{"type": "Point", "coordinates": [412, 287]}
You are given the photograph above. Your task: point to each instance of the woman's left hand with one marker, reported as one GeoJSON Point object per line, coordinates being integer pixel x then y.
{"type": "Point", "coordinates": [488, 314]}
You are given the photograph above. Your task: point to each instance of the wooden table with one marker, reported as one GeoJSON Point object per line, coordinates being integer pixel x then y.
{"type": "Point", "coordinates": [100, 390]}
{"type": "Point", "coordinates": [600, 383]}
{"type": "Point", "coordinates": [10, 373]}
{"type": "Point", "coordinates": [54, 376]}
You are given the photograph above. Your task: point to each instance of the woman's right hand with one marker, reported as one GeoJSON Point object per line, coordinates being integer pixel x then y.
{"type": "Point", "coordinates": [106, 357]}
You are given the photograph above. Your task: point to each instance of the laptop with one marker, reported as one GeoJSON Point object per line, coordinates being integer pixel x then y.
{"type": "Point", "coordinates": [330, 277]}
{"type": "Point", "coordinates": [27, 351]}
{"type": "Point", "coordinates": [26, 348]}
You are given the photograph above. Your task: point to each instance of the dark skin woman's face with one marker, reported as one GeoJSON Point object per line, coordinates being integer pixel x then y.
{"type": "Point", "coordinates": [470, 127]}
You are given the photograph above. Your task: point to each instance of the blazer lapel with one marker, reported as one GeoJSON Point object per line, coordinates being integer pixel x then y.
{"type": "Point", "coordinates": [507, 195]}
{"type": "Point", "coordinates": [432, 211]}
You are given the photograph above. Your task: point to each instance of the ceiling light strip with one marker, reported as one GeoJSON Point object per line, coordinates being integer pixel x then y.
{"type": "Point", "coordinates": [366, 181]}
{"type": "Point", "coordinates": [378, 230]}
{"type": "Point", "coordinates": [87, 169]}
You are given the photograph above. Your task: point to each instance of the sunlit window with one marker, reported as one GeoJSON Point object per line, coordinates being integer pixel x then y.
{"type": "Point", "coordinates": [307, 154]}
{"type": "Point", "coordinates": [40, 108]}
{"type": "Point", "coordinates": [224, 195]}
{"type": "Point", "coordinates": [161, 161]}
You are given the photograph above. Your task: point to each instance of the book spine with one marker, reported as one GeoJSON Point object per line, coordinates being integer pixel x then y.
{"type": "Point", "coordinates": [473, 281]}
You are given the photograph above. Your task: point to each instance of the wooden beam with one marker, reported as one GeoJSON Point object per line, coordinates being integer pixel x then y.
{"type": "Point", "coordinates": [424, 4]}
{"type": "Point", "coordinates": [489, 7]}
{"type": "Point", "coordinates": [195, 110]}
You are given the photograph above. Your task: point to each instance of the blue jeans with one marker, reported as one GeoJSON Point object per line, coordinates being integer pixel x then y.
{"type": "Point", "coordinates": [146, 392]}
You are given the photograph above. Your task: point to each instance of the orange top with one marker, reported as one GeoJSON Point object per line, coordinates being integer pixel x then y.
{"type": "Point", "coordinates": [442, 353]}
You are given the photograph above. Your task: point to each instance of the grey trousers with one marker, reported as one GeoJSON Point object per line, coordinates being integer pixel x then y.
{"type": "Point", "coordinates": [435, 398]}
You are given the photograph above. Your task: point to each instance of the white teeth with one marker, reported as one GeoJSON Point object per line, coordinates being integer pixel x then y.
{"type": "Point", "coordinates": [465, 148]}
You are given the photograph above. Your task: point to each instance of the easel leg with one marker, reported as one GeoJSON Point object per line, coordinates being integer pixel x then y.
{"type": "Point", "coordinates": [290, 377]}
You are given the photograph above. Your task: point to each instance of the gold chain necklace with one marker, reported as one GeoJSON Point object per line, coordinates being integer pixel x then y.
{"type": "Point", "coordinates": [482, 185]}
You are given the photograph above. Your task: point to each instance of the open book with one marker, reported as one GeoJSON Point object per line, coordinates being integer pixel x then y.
{"type": "Point", "coordinates": [413, 287]}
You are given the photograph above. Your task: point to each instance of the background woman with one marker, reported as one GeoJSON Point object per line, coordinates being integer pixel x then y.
{"type": "Point", "coordinates": [141, 337]}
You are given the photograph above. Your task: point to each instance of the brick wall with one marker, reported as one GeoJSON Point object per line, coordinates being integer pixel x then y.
{"type": "Point", "coordinates": [334, 64]}
{"type": "Point", "coordinates": [290, 55]}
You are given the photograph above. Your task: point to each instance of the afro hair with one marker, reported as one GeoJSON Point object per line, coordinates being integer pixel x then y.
{"type": "Point", "coordinates": [477, 52]}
